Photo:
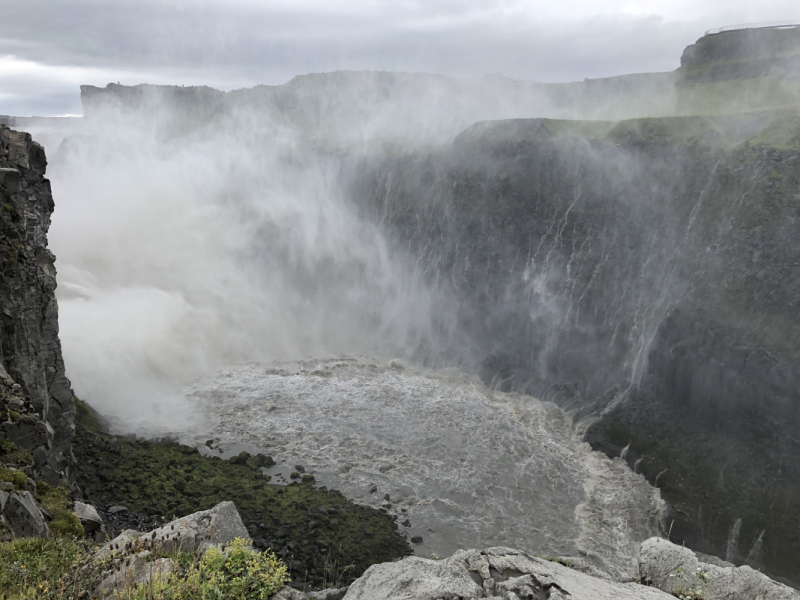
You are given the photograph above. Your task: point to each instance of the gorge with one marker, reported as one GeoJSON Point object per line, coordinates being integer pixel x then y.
{"type": "Point", "coordinates": [624, 249]}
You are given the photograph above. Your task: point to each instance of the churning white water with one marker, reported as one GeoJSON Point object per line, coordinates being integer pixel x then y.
{"type": "Point", "coordinates": [467, 466]}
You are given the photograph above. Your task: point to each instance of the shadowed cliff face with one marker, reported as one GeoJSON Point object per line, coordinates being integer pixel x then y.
{"type": "Point", "coordinates": [29, 320]}
{"type": "Point", "coordinates": [643, 276]}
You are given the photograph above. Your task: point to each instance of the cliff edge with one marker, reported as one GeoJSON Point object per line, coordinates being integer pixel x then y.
{"type": "Point", "coordinates": [37, 407]}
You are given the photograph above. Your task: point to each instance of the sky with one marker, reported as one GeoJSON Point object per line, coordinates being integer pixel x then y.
{"type": "Point", "coordinates": [48, 48]}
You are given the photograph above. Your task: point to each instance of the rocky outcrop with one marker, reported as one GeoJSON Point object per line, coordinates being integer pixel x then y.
{"type": "Point", "coordinates": [494, 574]}
{"type": "Point", "coordinates": [36, 403]}
{"type": "Point", "coordinates": [130, 552]}
{"type": "Point", "coordinates": [196, 532]}
{"type": "Point", "coordinates": [678, 570]}
{"type": "Point", "coordinates": [743, 54]}
{"type": "Point", "coordinates": [667, 571]}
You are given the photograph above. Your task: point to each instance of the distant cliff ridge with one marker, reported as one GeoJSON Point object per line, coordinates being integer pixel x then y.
{"type": "Point", "coordinates": [744, 54]}
{"type": "Point", "coordinates": [32, 369]}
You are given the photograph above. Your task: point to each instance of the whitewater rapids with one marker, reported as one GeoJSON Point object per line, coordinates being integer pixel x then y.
{"type": "Point", "coordinates": [468, 467]}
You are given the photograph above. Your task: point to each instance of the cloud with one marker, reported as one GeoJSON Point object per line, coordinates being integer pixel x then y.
{"type": "Point", "coordinates": [240, 43]}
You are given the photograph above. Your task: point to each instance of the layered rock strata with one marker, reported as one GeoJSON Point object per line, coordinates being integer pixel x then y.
{"type": "Point", "coordinates": [37, 407]}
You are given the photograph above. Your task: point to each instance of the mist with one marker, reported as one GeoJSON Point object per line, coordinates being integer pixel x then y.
{"type": "Point", "coordinates": [178, 256]}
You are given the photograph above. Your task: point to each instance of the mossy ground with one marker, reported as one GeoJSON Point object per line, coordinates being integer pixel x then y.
{"type": "Point", "coordinates": [312, 528]}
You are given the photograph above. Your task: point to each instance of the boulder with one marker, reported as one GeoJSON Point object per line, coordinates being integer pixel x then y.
{"type": "Point", "coordinates": [496, 573]}
{"type": "Point", "coordinates": [88, 516]}
{"type": "Point", "coordinates": [677, 570]}
{"type": "Point", "coordinates": [198, 531]}
{"type": "Point", "coordinates": [136, 571]}
{"type": "Point", "coordinates": [22, 517]}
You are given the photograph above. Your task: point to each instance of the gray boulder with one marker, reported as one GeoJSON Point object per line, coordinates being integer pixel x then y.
{"type": "Point", "coordinates": [287, 593]}
{"type": "Point", "coordinates": [496, 573]}
{"type": "Point", "coordinates": [22, 517]}
{"type": "Point", "coordinates": [677, 570]}
{"type": "Point", "coordinates": [198, 531]}
{"type": "Point", "coordinates": [88, 516]}
{"type": "Point", "coordinates": [136, 571]}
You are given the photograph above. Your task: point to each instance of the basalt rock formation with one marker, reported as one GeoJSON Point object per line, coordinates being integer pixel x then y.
{"type": "Point", "coordinates": [641, 274]}
{"type": "Point", "coordinates": [36, 403]}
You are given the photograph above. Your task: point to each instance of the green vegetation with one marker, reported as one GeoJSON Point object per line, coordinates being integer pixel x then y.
{"type": "Point", "coordinates": [56, 501]}
{"type": "Point", "coordinates": [33, 567]}
{"type": "Point", "coordinates": [666, 130]}
{"type": "Point", "coordinates": [10, 453]}
{"type": "Point", "coordinates": [18, 478]}
{"type": "Point", "coordinates": [235, 573]}
{"type": "Point", "coordinates": [298, 521]}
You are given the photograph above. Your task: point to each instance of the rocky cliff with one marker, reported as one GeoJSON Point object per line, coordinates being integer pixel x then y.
{"type": "Point", "coordinates": [37, 405]}
{"type": "Point", "coordinates": [643, 275]}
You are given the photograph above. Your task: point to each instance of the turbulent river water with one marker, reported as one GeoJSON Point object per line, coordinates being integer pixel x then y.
{"type": "Point", "coordinates": [466, 466]}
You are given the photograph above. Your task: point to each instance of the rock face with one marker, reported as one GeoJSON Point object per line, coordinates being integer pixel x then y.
{"type": "Point", "coordinates": [644, 276]}
{"type": "Point", "coordinates": [36, 402]}
{"type": "Point", "coordinates": [744, 54]}
{"type": "Point", "coordinates": [495, 573]}
{"type": "Point", "coordinates": [677, 570]}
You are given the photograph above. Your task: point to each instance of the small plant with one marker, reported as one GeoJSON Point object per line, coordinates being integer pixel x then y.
{"type": "Point", "coordinates": [695, 590]}
{"type": "Point", "coordinates": [56, 500]}
{"type": "Point", "coordinates": [234, 571]}
{"type": "Point", "coordinates": [18, 478]}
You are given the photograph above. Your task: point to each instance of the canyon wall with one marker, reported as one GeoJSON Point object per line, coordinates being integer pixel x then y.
{"type": "Point", "coordinates": [644, 276]}
{"type": "Point", "coordinates": [37, 405]}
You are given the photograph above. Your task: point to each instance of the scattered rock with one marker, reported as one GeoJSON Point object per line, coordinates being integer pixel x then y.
{"type": "Point", "coordinates": [117, 509]}
{"type": "Point", "coordinates": [22, 516]}
{"type": "Point", "coordinates": [88, 516]}
{"type": "Point", "coordinates": [677, 570]}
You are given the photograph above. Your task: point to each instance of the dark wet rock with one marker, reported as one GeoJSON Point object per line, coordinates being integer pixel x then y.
{"type": "Point", "coordinates": [34, 386]}
{"type": "Point", "coordinates": [553, 235]}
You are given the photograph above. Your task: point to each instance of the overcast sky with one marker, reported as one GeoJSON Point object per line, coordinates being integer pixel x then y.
{"type": "Point", "coordinates": [49, 47]}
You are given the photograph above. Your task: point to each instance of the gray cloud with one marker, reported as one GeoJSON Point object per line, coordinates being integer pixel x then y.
{"type": "Point", "coordinates": [244, 42]}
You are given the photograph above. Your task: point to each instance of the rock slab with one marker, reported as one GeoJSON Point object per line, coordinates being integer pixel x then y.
{"type": "Point", "coordinates": [496, 573]}
{"type": "Point", "coordinates": [677, 570]}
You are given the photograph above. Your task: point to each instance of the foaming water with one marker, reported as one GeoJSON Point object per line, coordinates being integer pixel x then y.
{"type": "Point", "coordinates": [467, 466]}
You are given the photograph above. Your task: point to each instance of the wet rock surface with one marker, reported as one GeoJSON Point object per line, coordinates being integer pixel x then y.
{"type": "Point", "coordinates": [36, 402]}
{"type": "Point", "coordinates": [643, 276]}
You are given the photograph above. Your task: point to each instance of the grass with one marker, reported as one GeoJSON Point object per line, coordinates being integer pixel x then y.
{"type": "Point", "coordinates": [63, 568]}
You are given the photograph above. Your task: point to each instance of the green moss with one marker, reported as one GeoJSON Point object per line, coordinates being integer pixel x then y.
{"type": "Point", "coordinates": [18, 478]}
{"type": "Point", "coordinates": [583, 129]}
{"type": "Point", "coordinates": [169, 479]}
{"type": "Point", "coordinates": [56, 501]}
{"type": "Point", "coordinates": [666, 130]}
{"type": "Point", "coordinates": [87, 417]}
{"type": "Point", "coordinates": [13, 415]}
